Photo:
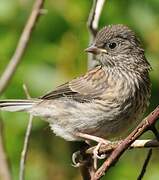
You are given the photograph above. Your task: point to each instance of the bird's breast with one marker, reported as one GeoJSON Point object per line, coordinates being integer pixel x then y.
{"type": "Point", "coordinates": [125, 102]}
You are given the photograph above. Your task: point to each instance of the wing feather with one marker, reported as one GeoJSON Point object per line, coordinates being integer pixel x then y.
{"type": "Point", "coordinates": [84, 88]}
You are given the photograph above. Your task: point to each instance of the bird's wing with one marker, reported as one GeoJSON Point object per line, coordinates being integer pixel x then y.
{"type": "Point", "coordinates": [82, 89]}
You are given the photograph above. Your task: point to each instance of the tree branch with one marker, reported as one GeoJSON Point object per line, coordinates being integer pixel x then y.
{"type": "Point", "coordinates": [147, 160]}
{"type": "Point", "coordinates": [86, 162]}
{"type": "Point", "coordinates": [4, 169]}
{"type": "Point", "coordinates": [10, 70]}
{"type": "Point", "coordinates": [22, 45]}
{"type": "Point", "coordinates": [92, 23]}
{"type": "Point", "coordinates": [106, 149]}
{"type": "Point", "coordinates": [125, 144]}
{"type": "Point", "coordinates": [86, 165]}
{"type": "Point", "coordinates": [26, 140]}
{"type": "Point", "coordinates": [25, 148]}
{"type": "Point", "coordinates": [93, 19]}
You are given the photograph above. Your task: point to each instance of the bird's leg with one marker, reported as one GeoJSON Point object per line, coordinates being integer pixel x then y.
{"type": "Point", "coordinates": [99, 140]}
{"type": "Point", "coordinates": [92, 138]}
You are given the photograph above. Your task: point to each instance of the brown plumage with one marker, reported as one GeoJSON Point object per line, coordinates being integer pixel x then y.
{"type": "Point", "coordinates": [107, 100]}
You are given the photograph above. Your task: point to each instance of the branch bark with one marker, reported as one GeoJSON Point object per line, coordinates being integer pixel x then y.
{"type": "Point", "coordinates": [146, 162]}
{"type": "Point", "coordinates": [22, 45]}
{"type": "Point", "coordinates": [86, 167]}
{"type": "Point", "coordinates": [25, 149]}
{"type": "Point", "coordinates": [4, 168]}
{"type": "Point", "coordinates": [10, 70]}
{"type": "Point", "coordinates": [92, 23]}
{"type": "Point", "coordinates": [86, 163]}
{"type": "Point", "coordinates": [26, 140]}
{"type": "Point", "coordinates": [106, 149]}
{"type": "Point", "coordinates": [125, 144]}
{"type": "Point", "coordinates": [94, 16]}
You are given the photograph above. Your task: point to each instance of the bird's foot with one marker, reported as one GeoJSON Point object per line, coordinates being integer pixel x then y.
{"type": "Point", "coordinates": [96, 155]}
{"type": "Point", "coordinates": [100, 141]}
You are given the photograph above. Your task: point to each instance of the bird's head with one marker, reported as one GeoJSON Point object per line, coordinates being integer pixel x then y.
{"type": "Point", "coordinates": [117, 45]}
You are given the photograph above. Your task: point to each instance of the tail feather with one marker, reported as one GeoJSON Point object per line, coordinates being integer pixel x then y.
{"type": "Point", "coordinates": [16, 105]}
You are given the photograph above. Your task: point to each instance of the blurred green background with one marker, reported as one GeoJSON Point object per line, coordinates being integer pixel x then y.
{"type": "Point", "coordinates": [54, 56]}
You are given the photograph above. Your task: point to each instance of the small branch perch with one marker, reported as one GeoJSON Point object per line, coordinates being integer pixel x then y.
{"type": "Point", "coordinates": [87, 168]}
{"type": "Point", "coordinates": [22, 44]}
{"type": "Point", "coordinates": [26, 140]}
{"type": "Point", "coordinates": [105, 149]}
{"type": "Point", "coordinates": [125, 144]}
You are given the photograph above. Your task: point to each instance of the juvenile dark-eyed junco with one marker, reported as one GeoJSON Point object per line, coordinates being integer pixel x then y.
{"type": "Point", "coordinates": [104, 102]}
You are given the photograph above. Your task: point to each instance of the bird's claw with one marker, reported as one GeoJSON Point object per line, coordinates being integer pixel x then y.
{"type": "Point", "coordinates": [95, 153]}
{"type": "Point", "coordinates": [102, 156]}
{"type": "Point", "coordinates": [75, 159]}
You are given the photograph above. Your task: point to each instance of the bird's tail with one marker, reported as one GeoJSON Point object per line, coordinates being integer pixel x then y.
{"type": "Point", "coordinates": [16, 105]}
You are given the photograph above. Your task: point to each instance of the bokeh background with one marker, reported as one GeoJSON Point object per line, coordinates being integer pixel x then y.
{"type": "Point", "coordinates": [54, 56]}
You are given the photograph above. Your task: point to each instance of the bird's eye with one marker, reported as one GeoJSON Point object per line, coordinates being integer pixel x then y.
{"type": "Point", "coordinates": [112, 45]}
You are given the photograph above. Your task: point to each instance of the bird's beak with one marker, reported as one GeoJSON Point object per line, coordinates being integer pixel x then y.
{"type": "Point", "coordinates": [92, 49]}
{"type": "Point", "coordinates": [95, 50]}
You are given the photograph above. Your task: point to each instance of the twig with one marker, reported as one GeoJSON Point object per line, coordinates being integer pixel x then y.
{"type": "Point", "coordinates": [147, 160]}
{"type": "Point", "coordinates": [93, 19]}
{"type": "Point", "coordinates": [25, 149]}
{"type": "Point", "coordinates": [22, 45]}
{"type": "Point", "coordinates": [4, 169]}
{"type": "Point", "coordinates": [26, 140]}
{"type": "Point", "coordinates": [155, 131]}
{"type": "Point", "coordinates": [86, 166]}
{"type": "Point", "coordinates": [139, 130]}
{"type": "Point", "coordinates": [105, 149]}
{"type": "Point", "coordinates": [87, 169]}
{"type": "Point", "coordinates": [11, 68]}
{"type": "Point", "coordinates": [92, 23]}
{"type": "Point", "coordinates": [26, 91]}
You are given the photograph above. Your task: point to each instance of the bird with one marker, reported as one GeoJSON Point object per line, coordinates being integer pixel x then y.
{"type": "Point", "coordinates": [107, 100]}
